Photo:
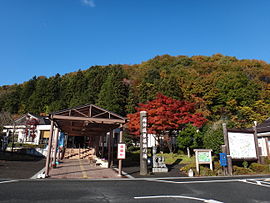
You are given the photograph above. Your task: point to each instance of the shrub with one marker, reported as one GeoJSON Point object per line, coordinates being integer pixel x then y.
{"type": "Point", "coordinates": [213, 139]}
{"type": "Point", "coordinates": [266, 160]}
{"type": "Point", "coordinates": [218, 168]}
{"type": "Point", "coordinates": [256, 167]}
{"type": "Point", "coordinates": [133, 148]}
{"type": "Point", "coordinates": [205, 171]}
{"type": "Point", "coordinates": [188, 166]}
{"type": "Point", "coordinates": [241, 171]}
{"type": "Point", "coordinates": [26, 145]}
{"type": "Point", "coordinates": [245, 164]}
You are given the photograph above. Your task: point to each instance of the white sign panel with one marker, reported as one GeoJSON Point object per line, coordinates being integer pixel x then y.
{"type": "Point", "coordinates": [121, 151]}
{"type": "Point", "coordinates": [242, 145]}
{"type": "Point", "coordinates": [144, 137]}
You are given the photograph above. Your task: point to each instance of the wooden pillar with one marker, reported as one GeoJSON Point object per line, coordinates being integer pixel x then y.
{"type": "Point", "coordinates": [267, 147]}
{"type": "Point", "coordinates": [99, 144]}
{"type": "Point", "coordinates": [102, 148]}
{"type": "Point", "coordinates": [96, 141]}
{"type": "Point", "coordinates": [49, 150]}
{"type": "Point", "coordinates": [55, 147]}
{"type": "Point", "coordinates": [226, 142]}
{"type": "Point", "coordinates": [109, 149]}
{"type": "Point", "coordinates": [120, 164]}
{"type": "Point", "coordinates": [256, 142]}
{"type": "Point", "coordinates": [112, 145]}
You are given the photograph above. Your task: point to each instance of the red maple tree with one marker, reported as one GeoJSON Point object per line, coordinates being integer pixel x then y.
{"type": "Point", "coordinates": [165, 114]}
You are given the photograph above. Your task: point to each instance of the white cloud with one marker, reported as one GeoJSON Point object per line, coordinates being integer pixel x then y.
{"type": "Point", "coordinates": [90, 3]}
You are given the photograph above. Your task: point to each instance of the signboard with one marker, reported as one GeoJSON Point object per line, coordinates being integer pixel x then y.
{"type": "Point", "coordinates": [203, 156]}
{"type": "Point", "coordinates": [242, 145]}
{"type": "Point", "coordinates": [143, 143]}
{"type": "Point", "coordinates": [223, 159]}
{"type": "Point", "coordinates": [144, 136]}
{"type": "Point", "coordinates": [121, 151]}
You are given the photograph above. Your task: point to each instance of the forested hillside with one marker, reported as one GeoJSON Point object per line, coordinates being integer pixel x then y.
{"type": "Point", "coordinates": [223, 87]}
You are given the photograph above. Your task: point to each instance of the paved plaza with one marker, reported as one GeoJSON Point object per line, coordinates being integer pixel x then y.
{"type": "Point", "coordinates": [81, 169]}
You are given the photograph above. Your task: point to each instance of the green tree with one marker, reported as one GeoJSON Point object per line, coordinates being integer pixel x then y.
{"type": "Point", "coordinates": [190, 137]}
{"type": "Point", "coordinates": [213, 138]}
{"type": "Point", "coordinates": [170, 87]}
{"type": "Point", "coordinates": [95, 77]}
{"type": "Point", "coordinates": [114, 92]}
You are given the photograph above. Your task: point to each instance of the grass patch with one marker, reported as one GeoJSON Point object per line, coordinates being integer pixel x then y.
{"type": "Point", "coordinates": [171, 158]}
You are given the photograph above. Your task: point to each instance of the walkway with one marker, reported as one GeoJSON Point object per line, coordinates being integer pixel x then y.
{"type": "Point", "coordinates": [81, 169]}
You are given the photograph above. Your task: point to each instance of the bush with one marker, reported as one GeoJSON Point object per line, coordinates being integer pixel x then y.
{"type": "Point", "coordinates": [218, 168]}
{"type": "Point", "coordinates": [188, 166]}
{"type": "Point", "coordinates": [205, 171]}
{"type": "Point", "coordinates": [213, 139]}
{"type": "Point", "coordinates": [245, 164]}
{"type": "Point", "coordinates": [266, 160]}
{"type": "Point", "coordinates": [26, 146]}
{"type": "Point", "coordinates": [259, 168]}
{"type": "Point", "coordinates": [241, 171]}
{"type": "Point", "coordinates": [133, 148]}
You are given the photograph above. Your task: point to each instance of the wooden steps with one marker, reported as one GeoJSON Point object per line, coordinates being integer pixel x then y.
{"type": "Point", "coordinates": [74, 153]}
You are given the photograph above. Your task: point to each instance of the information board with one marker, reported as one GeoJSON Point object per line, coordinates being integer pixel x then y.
{"type": "Point", "coordinates": [204, 157]}
{"type": "Point", "coordinates": [242, 145]}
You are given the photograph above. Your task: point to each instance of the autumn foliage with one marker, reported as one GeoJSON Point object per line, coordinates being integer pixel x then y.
{"type": "Point", "coordinates": [165, 113]}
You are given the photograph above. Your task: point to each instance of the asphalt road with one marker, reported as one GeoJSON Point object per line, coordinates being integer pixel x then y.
{"type": "Point", "coordinates": [134, 190]}
{"type": "Point", "coordinates": [19, 166]}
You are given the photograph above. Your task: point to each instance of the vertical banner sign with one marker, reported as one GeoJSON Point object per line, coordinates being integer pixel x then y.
{"type": "Point", "coordinates": [144, 137]}
{"type": "Point", "coordinates": [143, 143]}
{"type": "Point", "coordinates": [121, 151]}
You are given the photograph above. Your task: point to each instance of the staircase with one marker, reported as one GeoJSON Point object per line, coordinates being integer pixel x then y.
{"type": "Point", "coordinates": [77, 153]}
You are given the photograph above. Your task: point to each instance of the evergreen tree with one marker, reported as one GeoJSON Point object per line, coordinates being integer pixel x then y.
{"type": "Point", "coordinates": [114, 92]}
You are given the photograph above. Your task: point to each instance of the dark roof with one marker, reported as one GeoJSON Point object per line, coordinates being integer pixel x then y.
{"type": "Point", "coordinates": [241, 130]}
{"type": "Point", "coordinates": [264, 127]}
{"type": "Point", "coordinates": [261, 128]}
{"type": "Point", "coordinates": [42, 119]}
{"type": "Point", "coordinates": [87, 120]}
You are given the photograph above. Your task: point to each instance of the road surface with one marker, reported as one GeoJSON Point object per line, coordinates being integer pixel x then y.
{"type": "Point", "coordinates": [212, 190]}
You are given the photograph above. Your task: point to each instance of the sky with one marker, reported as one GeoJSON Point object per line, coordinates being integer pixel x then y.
{"type": "Point", "coordinates": [46, 37]}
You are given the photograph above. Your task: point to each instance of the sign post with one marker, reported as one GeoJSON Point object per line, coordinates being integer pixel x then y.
{"type": "Point", "coordinates": [203, 156]}
{"type": "Point", "coordinates": [228, 168]}
{"type": "Point", "coordinates": [121, 151]}
{"type": "Point", "coordinates": [143, 143]}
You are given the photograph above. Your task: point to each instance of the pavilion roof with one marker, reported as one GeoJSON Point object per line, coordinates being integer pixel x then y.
{"type": "Point", "coordinates": [87, 120]}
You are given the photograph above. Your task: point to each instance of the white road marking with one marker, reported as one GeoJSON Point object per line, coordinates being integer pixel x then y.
{"type": "Point", "coordinates": [36, 175]}
{"type": "Point", "coordinates": [196, 181]}
{"type": "Point", "coordinates": [267, 183]}
{"type": "Point", "coordinates": [9, 181]}
{"type": "Point", "coordinates": [258, 183]}
{"type": "Point", "coordinates": [178, 196]}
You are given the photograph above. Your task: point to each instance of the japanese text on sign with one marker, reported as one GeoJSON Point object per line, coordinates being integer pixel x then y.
{"type": "Point", "coordinates": [121, 151]}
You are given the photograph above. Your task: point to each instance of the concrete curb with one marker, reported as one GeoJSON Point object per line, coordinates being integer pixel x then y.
{"type": "Point", "coordinates": [36, 175]}
{"type": "Point", "coordinates": [124, 173]}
